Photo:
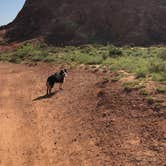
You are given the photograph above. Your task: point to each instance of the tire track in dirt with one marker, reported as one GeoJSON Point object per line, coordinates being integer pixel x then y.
{"type": "Point", "coordinates": [17, 130]}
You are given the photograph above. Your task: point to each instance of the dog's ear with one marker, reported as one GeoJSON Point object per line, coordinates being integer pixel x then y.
{"type": "Point", "coordinates": [65, 70]}
{"type": "Point", "coordinates": [61, 72]}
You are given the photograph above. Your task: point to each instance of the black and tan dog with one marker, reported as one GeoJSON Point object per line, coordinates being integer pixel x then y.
{"type": "Point", "coordinates": [58, 77]}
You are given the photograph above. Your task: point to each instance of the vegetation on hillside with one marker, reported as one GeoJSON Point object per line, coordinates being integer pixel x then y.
{"type": "Point", "coordinates": [143, 62]}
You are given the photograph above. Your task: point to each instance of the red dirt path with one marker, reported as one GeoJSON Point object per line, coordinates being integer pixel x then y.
{"type": "Point", "coordinates": [90, 123]}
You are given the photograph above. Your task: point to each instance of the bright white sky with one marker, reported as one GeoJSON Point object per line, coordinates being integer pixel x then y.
{"type": "Point", "coordinates": [9, 10]}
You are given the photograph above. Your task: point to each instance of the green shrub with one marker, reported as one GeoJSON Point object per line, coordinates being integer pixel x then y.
{"type": "Point", "coordinates": [5, 57]}
{"type": "Point", "coordinates": [141, 74]}
{"type": "Point", "coordinates": [114, 51]}
{"type": "Point", "coordinates": [161, 90]}
{"type": "Point", "coordinates": [16, 60]}
{"type": "Point", "coordinates": [157, 66]}
{"type": "Point", "coordinates": [129, 86]}
{"type": "Point", "coordinates": [24, 50]}
{"type": "Point", "coordinates": [105, 56]}
{"type": "Point", "coordinates": [161, 77]}
{"type": "Point", "coordinates": [30, 52]}
{"type": "Point", "coordinates": [162, 54]}
{"type": "Point", "coordinates": [115, 79]}
{"type": "Point", "coordinates": [90, 60]}
{"type": "Point", "coordinates": [144, 92]}
{"type": "Point", "coordinates": [157, 107]}
{"type": "Point", "coordinates": [150, 100]}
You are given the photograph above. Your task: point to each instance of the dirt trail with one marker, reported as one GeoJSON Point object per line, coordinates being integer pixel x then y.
{"type": "Point", "coordinates": [90, 123]}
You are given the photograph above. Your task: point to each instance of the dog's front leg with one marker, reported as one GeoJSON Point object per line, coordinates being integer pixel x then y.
{"type": "Point", "coordinates": [61, 86]}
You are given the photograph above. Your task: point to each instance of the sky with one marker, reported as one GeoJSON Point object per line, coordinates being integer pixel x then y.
{"type": "Point", "coordinates": [9, 10]}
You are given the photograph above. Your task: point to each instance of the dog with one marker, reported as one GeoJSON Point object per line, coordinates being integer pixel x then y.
{"type": "Point", "coordinates": [58, 77]}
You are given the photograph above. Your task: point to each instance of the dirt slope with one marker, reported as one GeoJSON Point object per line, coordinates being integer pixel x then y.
{"type": "Point", "coordinates": [91, 123]}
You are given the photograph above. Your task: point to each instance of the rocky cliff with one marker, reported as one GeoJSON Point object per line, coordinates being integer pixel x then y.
{"type": "Point", "coordinates": [84, 21]}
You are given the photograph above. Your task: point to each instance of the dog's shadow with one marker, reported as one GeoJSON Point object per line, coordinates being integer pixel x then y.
{"type": "Point", "coordinates": [46, 96]}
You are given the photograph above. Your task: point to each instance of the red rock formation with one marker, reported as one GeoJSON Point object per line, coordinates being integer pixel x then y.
{"type": "Point", "coordinates": [81, 21]}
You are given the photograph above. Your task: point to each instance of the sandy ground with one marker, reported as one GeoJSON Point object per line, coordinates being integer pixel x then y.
{"type": "Point", "coordinates": [91, 122]}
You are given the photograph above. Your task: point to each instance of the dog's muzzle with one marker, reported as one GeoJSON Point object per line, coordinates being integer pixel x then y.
{"type": "Point", "coordinates": [66, 74]}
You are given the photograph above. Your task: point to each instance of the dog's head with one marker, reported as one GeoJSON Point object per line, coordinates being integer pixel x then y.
{"type": "Point", "coordinates": [64, 72]}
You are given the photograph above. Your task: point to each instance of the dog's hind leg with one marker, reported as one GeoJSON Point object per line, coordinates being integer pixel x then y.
{"type": "Point", "coordinates": [47, 91]}
{"type": "Point", "coordinates": [48, 88]}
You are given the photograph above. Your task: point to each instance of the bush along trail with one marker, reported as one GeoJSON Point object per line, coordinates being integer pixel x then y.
{"type": "Point", "coordinates": [145, 63]}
